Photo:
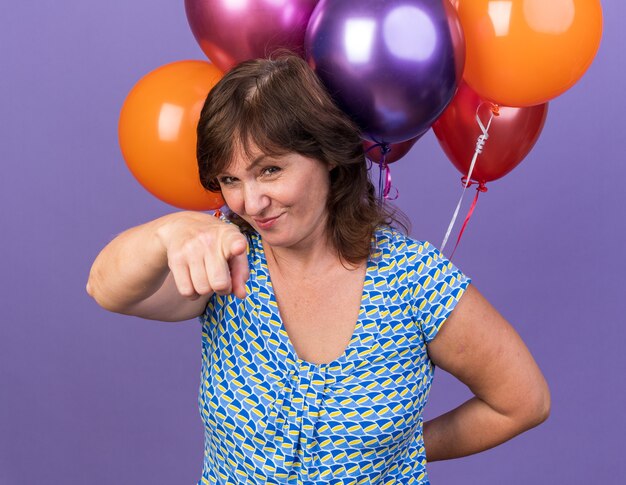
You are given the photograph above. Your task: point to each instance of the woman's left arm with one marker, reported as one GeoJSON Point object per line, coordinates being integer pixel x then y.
{"type": "Point", "coordinates": [481, 349]}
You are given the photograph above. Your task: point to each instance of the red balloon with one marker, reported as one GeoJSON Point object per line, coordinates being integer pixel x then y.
{"type": "Point", "coordinates": [397, 150]}
{"type": "Point", "coordinates": [512, 134]}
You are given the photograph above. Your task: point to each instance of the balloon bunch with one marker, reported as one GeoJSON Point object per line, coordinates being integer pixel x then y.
{"type": "Point", "coordinates": [394, 66]}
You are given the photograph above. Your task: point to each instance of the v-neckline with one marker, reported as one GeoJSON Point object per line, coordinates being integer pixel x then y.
{"type": "Point", "coordinates": [367, 281]}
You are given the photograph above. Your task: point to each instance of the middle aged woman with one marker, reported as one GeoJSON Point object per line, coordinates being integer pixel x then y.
{"type": "Point", "coordinates": [321, 322]}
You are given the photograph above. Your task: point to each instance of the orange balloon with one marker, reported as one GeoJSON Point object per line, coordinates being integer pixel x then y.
{"type": "Point", "coordinates": [526, 52]}
{"type": "Point", "coordinates": [157, 132]}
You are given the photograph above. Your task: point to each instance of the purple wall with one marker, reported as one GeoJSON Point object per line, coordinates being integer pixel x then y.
{"type": "Point", "coordinates": [91, 397]}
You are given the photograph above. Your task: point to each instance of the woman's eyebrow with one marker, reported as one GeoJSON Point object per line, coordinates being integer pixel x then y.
{"type": "Point", "coordinates": [256, 162]}
{"type": "Point", "coordinates": [249, 168]}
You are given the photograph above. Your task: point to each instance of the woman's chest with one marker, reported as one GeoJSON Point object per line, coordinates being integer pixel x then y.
{"type": "Point", "coordinates": [370, 400]}
{"type": "Point", "coordinates": [320, 317]}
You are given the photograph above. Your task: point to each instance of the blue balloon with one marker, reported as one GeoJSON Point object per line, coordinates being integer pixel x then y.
{"type": "Point", "coordinates": [389, 64]}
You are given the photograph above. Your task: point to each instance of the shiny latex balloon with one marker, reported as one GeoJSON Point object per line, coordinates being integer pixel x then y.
{"type": "Point", "coordinates": [458, 38]}
{"type": "Point", "coordinates": [390, 65]}
{"type": "Point", "coordinates": [526, 52]}
{"type": "Point", "coordinates": [157, 132]}
{"type": "Point", "coordinates": [374, 152]}
{"type": "Point", "coordinates": [231, 31]}
{"type": "Point", "coordinates": [512, 134]}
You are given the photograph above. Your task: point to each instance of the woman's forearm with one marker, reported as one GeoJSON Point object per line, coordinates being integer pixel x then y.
{"type": "Point", "coordinates": [470, 428]}
{"type": "Point", "coordinates": [130, 268]}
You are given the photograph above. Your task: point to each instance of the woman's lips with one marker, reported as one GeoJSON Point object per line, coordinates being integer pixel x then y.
{"type": "Point", "coordinates": [266, 223]}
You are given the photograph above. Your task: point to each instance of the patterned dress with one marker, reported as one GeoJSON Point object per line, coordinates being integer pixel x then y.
{"type": "Point", "coordinates": [273, 418]}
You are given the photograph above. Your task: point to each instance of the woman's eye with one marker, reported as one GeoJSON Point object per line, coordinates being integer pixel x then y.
{"type": "Point", "coordinates": [226, 180]}
{"type": "Point", "coordinates": [271, 170]}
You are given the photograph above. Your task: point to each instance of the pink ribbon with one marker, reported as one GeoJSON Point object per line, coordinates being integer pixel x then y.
{"type": "Point", "coordinates": [384, 178]}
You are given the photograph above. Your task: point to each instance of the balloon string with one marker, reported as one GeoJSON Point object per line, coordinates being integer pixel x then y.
{"type": "Point", "coordinates": [384, 176]}
{"type": "Point", "coordinates": [480, 144]}
{"type": "Point", "coordinates": [388, 186]}
{"type": "Point", "coordinates": [381, 185]}
{"type": "Point", "coordinates": [384, 148]}
{"type": "Point", "coordinates": [481, 188]}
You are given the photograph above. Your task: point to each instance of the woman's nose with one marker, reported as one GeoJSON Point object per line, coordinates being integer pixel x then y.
{"type": "Point", "coordinates": [255, 200]}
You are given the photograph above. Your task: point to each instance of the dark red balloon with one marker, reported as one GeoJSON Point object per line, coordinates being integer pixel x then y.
{"type": "Point", "coordinates": [397, 150]}
{"type": "Point", "coordinates": [512, 134]}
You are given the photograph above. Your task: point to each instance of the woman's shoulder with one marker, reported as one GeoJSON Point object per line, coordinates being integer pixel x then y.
{"type": "Point", "coordinates": [421, 267]}
{"type": "Point", "coordinates": [394, 248]}
{"type": "Point", "coordinates": [392, 242]}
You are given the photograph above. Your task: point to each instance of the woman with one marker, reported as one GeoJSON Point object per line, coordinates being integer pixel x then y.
{"type": "Point", "coordinates": [322, 323]}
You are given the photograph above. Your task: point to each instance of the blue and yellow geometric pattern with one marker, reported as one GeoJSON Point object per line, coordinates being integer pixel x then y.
{"type": "Point", "coordinates": [272, 418]}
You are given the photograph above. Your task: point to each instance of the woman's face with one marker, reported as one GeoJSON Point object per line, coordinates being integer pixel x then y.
{"type": "Point", "coordinates": [283, 198]}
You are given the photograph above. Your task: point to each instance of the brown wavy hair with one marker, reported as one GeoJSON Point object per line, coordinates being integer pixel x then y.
{"type": "Point", "coordinates": [279, 106]}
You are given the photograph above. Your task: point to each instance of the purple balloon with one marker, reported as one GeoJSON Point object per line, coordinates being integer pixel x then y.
{"type": "Point", "coordinates": [231, 31]}
{"type": "Point", "coordinates": [389, 64]}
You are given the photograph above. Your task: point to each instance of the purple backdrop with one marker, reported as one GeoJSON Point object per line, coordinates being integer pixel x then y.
{"type": "Point", "coordinates": [91, 397]}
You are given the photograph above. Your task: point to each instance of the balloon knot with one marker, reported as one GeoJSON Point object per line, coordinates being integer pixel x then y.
{"type": "Point", "coordinates": [495, 109]}
{"type": "Point", "coordinates": [384, 150]}
{"type": "Point", "coordinates": [481, 185]}
{"type": "Point", "coordinates": [217, 213]}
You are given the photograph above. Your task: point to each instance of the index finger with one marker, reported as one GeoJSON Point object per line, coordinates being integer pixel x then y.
{"type": "Point", "coordinates": [235, 252]}
{"type": "Point", "coordinates": [239, 274]}
{"type": "Point", "coordinates": [234, 244]}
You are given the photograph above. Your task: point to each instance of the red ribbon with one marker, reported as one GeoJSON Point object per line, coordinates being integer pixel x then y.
{"type": "Point", "coordinates": [481, 188]}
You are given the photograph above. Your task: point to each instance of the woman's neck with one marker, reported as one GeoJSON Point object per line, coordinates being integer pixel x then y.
{"type": "Point", "coordinates": [305, 261]}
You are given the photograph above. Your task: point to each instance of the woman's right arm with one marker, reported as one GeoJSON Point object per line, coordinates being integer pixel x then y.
{"type": "Point", "coordinates": [167, 269]}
